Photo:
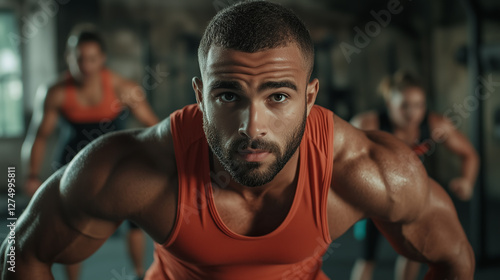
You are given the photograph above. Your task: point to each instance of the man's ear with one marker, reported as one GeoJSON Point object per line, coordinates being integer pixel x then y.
{"type": "Point", "coordinates": [311, 94]}
{"type": "Point", "coordinates": [198, 91]}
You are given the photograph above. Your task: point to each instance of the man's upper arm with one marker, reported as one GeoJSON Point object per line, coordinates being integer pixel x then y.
{"type": "Point", "coordinates": [48, 231]}
{"type": "Point", "coordinates": [435, 232]}
{"type": "Point", "coordinates": [104, 184]}
{"type": "Point", "coordinates": [77, 208]}
{"type": "Point", "coordinates": [373, 172]}
{"type": "Point", "coordinates": [131, 173]}
{"type": "Point", "coordinates": [385, 181]}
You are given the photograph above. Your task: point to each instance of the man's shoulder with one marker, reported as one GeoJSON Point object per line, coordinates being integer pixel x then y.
{"type": "Point", "coordinates": [353, 143]}
{"type": "Point", "coordinates": [61, 83]}
{"type": "Point", "coordinates": [53, 94]}
{"type": "Point", "coordinates": [125, 169]}
{"type": "Point", "coordinates": [375, 171]}
{"type": "Point", "coordinates": [127, 150]}
{"type": "Point", "coordinates": [122, 175]}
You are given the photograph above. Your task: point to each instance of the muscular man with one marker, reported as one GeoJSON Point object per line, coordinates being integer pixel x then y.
{"type": "Point", "coordinates": [90, 99]}
{"type": "Point", "coordinates": [408, 119]}
{"type": "Point", "coordinates": [252, 182]}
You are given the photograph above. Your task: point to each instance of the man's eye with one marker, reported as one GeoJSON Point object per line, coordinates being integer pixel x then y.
{"type": "Point", "coordinates": [228, 97]}
{"type": "Point", "coordinates": [278, 98]}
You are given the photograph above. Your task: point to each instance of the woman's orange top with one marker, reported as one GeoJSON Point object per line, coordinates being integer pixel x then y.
{"type": "Point", "coordinates": [200, 245]}
{"type": "Point", "coordinates": [108, 109]}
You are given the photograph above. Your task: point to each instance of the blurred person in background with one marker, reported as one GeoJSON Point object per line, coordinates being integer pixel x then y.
{"type": "Point", "coordinates": [91, 100]}
{"type": "Point", "coordinates": [406, 116]}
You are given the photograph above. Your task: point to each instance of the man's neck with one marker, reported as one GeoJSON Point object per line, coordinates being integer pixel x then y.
{"type": "Point", "coordinates": [88, 80]}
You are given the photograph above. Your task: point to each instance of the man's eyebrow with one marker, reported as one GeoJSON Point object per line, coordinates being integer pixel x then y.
{"type": "Point", "coordinates": [224, 85]}
{"type": "Point", "coordinates": [276, 85]}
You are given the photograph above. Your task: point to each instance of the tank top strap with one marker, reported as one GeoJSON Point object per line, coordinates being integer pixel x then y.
{"type": "Point", "coordinates": [320, 133]}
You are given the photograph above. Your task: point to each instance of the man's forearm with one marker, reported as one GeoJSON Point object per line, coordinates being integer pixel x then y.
{"type": "Point", "coordinates": [445, 272]}
{"type": "Point", "coordinates": [16, 267]}
{"type": "Point", "coordinates": [36, 155]}
{"type": "Point", "coordinates": [461, 267]}
{"type": "Point", "coordinates": [470, 167]}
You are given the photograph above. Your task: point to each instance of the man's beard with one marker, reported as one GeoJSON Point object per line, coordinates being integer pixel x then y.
{"type": "Point", "coordinates": [247, 173]}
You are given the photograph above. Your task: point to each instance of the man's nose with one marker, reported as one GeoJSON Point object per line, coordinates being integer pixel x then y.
{"type": "Point", "coordinates": [253, 121]}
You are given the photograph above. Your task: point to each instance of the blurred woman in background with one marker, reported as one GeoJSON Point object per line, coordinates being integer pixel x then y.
{"type": "Point", "coordinates": [406, 117]}
{"type": "Point", "coordinates": [90, 99]}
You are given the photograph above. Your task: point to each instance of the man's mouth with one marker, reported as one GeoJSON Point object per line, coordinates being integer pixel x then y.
{"type": "Point", "coordinates": [253, 155]}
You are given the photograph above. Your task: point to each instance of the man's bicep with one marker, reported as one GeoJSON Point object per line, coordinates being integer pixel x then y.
{"type": "Point", "coordinates": [87, 196]}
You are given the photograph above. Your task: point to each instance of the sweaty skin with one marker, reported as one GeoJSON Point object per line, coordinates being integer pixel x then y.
{"type": "Point", "coordinates": [406, 109]}
{"type": "Point", "coordinates": [132, 175]}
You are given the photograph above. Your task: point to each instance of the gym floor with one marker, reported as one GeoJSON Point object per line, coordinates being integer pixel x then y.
{"type": "Point", "coordinates": [111, 261]}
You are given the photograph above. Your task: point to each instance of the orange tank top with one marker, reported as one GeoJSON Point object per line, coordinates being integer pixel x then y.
{"type": "Point", "coordinates": [108, 109]}
{"type": "Point", "coordinates": [200, 246]}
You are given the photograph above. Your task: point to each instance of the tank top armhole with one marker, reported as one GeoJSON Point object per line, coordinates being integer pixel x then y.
{"type": "Point", "coordinates": [179, 160]}
{"type": "Point", "coordinates": [328, 176]}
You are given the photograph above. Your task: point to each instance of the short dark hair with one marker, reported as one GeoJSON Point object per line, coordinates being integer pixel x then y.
{"type": "Point", "coordinates": [399, 81]}
{"type": "Point", "coordinates": [252, 26]}
{"type": "Point", "coordinates": [89, 36]}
